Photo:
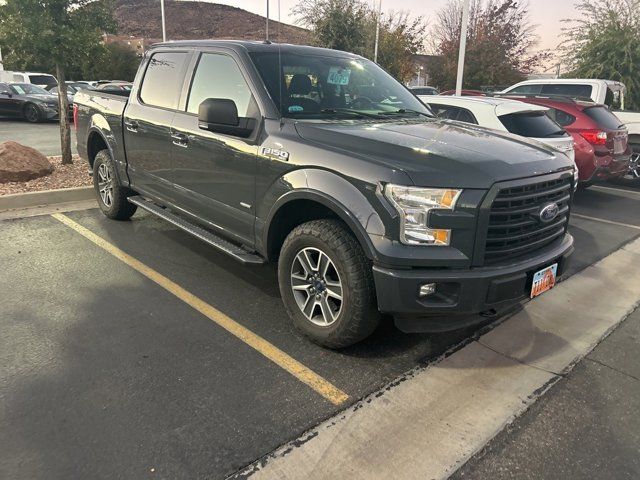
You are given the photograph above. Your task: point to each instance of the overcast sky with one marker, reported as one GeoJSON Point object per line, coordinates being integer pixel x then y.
{"type": "Point", "coordinates": [545, 13]}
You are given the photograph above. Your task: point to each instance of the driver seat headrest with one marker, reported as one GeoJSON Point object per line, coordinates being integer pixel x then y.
{"type": "Point", "coordinates": [300, 85]}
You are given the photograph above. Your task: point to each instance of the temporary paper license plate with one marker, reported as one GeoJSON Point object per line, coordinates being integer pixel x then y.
{"type": "Point", "coordinates": [618, 145]}
{"type": "Point", "coordinates": [544, 280]}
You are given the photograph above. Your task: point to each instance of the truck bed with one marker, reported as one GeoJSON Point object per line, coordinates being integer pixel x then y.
{"type": "Point", "coordinates": [109, 106]}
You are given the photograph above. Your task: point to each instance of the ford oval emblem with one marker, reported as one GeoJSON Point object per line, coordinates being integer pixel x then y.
{"type": "Point", "coordinates": [549, 212]}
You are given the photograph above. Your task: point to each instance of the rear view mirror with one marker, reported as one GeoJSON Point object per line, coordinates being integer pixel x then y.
{"type": "Point", "coordinates": [220, 115]}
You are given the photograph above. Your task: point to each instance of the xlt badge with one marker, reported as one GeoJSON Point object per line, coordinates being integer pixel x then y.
{"type": "Point", "coordinates": [275, 153]}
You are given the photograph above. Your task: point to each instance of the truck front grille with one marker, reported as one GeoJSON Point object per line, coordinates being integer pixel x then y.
{"type": "Point", "coordinates": [515, 227]}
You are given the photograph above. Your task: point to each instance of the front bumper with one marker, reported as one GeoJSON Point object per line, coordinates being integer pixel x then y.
{"type": "Point", "coordinates": [463, 291]}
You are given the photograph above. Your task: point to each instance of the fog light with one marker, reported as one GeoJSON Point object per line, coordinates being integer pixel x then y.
{"type": "Point", "coordinates": [427, 289]}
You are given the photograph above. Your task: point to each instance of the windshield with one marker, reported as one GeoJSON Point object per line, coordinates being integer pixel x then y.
{"type": "Point", "coordinates": [325, 87]}
{"type": "Point", "coordinates": [28, 89]}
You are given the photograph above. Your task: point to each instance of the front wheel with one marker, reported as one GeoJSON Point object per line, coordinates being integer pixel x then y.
{"type": "Point", "coordinates": [112, 197]}
{"type": "Point", "coordinates": [326, 283]}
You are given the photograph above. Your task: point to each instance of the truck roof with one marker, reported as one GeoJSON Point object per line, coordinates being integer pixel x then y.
{"type": "Point", "coordinates": [256, 46]}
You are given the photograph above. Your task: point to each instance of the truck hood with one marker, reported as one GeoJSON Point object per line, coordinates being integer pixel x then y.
{"type": "Point", "coordinates": [439, 153]}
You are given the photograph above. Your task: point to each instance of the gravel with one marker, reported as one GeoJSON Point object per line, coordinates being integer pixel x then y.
{"type": "Point", "coordinates": [63, 176]}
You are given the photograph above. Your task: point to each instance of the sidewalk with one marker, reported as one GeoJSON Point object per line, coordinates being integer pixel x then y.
{"type": "Point", "coordinates": [586, 427]}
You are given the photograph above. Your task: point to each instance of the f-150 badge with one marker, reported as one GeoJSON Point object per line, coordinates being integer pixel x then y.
{"type": "Point", "coordinates": [275, 153]}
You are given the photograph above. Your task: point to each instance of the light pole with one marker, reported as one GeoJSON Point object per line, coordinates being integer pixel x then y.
{"type": "Point", "coordinates": [267, 28]}
{"type": "Point", "coordinates": [164, 29]}
{"type": "Point", "coordinates": [463, 45]}
{"type": "Point", "coordinates": [420, 68]}
{"type": "Point", "coordinates": [375, 48]}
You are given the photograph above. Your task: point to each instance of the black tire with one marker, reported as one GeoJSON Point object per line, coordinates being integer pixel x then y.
{"type": "Point", "coordinates": [112, 197]}
{"type": "Point", "coordinates": [633, 176]}
{"type": "Point", "coordinates": [358, 316]}
{"type": "Point", "coordinates": [32, 113]}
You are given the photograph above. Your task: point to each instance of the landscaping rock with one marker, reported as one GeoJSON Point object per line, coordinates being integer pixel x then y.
{"type": "Point", "coordinates": [19, 163]}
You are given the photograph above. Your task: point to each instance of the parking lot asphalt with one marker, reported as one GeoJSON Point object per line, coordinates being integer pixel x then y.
{"type": "Point", "coordinates": [44, 137]}
{"type": "Point", "coordinates": [105, 374]}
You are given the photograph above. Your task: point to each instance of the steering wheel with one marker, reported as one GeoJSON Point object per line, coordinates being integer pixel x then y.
{"type": "Point", "coordinates": [362, 103]}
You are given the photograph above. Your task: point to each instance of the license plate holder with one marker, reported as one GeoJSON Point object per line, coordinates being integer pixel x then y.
{"type": "Point", "coordinates": [544, 280]}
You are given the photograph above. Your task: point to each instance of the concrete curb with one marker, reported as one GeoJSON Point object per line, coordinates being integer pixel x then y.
{"type": "Point", "coordinates": [430, 422]}
{"type": "Point", "coordinates": [46, 197]}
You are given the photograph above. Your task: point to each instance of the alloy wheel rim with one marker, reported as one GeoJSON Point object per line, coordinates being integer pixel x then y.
{"type": "Point", "coordinates": [105, 185]}
{"type": "Point", "coordinates": [634, 166]}
{"type": "Point", "coordinates": [317, 287]}
{"type": "Point", "coordinates": [31, 113]}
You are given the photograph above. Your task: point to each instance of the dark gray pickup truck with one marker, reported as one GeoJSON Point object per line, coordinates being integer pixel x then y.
{"type": "Point", "coordinates": [320, 161]}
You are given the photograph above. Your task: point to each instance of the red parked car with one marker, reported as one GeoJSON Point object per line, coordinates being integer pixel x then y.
{"type": "Point", "coordinates": [601, 141]}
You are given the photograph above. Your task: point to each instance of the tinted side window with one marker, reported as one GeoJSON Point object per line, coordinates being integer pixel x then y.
{"type": "Point", "coordinates": [533, 125]}
{"type": "Point", "coordinates": [569, 90]}
{"type": "Point", "coordinates": [466, 116]}
{"type": "Point", "coordinates": [444, 111]}
{"type": "Point", "coordinates": [527, 90]}
{"type": "Point", "coordinates": [163, 78]}
{"type": "Point", "coordinates": [218, 76]}
{"type": "Point", "coordinates": [563, 119]}
{"type": "Point", "coordinates": [43, 80]}
{"type": "Point", "coordinates": [603, 117]}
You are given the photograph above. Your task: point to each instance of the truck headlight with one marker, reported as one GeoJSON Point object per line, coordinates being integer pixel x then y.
{"type": "Point", "coordinates": [413, 205]}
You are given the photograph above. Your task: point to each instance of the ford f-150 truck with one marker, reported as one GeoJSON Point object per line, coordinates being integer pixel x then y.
{"type": "Point", "coordinates": [320, 161]}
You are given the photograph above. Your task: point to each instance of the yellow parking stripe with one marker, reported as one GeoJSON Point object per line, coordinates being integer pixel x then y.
{"type": "Point", "coordinates": [273, 353]}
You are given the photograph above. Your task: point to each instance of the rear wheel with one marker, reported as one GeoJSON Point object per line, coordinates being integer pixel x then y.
{"type": "Point", "coordinates": [32, 113]}
{"type": "Point", "coordinates": [633, 175]}
{"type": "Point", "coordinates": [326, 284]}
{"type": "Point", "coordinates": [112, 197]}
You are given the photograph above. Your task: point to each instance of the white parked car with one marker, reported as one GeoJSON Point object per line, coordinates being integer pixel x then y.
{"type": "Point", "coordinates": [43, 80]}
{"type": "Point", "coordinates": [506, 115]}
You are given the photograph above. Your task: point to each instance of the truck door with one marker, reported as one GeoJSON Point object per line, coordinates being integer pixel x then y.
{"type": "Point", "coordinates": [147, 123]}
{"type": "Point", "coordinates": [215, 173]}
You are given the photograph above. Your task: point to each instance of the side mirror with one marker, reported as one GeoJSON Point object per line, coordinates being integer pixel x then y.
{"type": "Point", "coordinates": [6, 93]}
{"type": "Point", "coordinates": [220, 115]}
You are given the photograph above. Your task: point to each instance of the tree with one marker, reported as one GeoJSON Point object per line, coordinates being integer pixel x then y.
{"type": "Point", "coordinates": [350, 25]}
{"type": "Point", "coordinates": [604, 42]}
{"type": "Point", "coordinates": [338, 24]}
{"type": "Point", "coordinates": [54, 35]}
{"type": "Point", "coordinates": [499, 43]}
{"type": "Point", "coordinates": [115, 61]}
{"type": "Point", "coordinates": [400, 39]}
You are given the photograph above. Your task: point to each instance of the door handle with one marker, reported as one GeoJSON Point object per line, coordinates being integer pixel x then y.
{"type": "Point", "coordinates": [180, 139]}
{"type": "Point", "coordinates": [131, 125]}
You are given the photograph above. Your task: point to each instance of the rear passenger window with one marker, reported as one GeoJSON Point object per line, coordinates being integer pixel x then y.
{"type": "Point", "coordinates": [218, 76]}
{"type": "Point", "coordinates": [453, 113]}
{"type": "Point", "coordinates": [570, 90]}
{"type": "Point", "coordinates": [532, 125]}
{"type": "Point", "coordinates": [563, 119]}
{"type": "Point", "coordinates": [163, 79]}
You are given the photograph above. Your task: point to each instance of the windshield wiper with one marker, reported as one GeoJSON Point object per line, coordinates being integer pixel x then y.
{"type": "Point", "coordinates": [337, 111]}
{"type": "Point", "coordinates": [407, 110]}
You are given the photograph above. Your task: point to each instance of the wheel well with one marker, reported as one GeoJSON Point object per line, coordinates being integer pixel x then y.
{"type": "Point", "coordinates": [288, 217]}
{"type": "Point", "coordinates": [95, 143]}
